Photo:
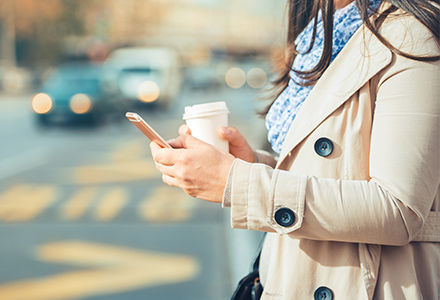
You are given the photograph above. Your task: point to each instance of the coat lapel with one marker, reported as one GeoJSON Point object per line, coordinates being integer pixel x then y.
{"type": "Point", "coordinates": [360, 59]}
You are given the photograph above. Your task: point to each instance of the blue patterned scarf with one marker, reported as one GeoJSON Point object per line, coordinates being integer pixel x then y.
{"type": "Point", "coordinates": [280, 116]}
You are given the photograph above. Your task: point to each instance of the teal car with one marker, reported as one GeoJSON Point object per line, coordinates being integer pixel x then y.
{"type": "Point", "coordinates": [75, 93]}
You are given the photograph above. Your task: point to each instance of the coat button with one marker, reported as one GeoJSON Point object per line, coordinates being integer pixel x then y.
{"type": "Point", "coordinates": [323, 147]}
{"type": "Point", "coordinates": [323, 293]}
{"type": "Point", "coordinates": [284, 217]}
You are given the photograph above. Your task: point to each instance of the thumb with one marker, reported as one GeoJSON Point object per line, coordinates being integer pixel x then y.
{"type": "Point", "coordinates": [186, 141]}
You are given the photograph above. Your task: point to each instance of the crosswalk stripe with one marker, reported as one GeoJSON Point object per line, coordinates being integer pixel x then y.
{"type": "Point", "coordinates": [111, 204]}
{"type": "Point", "coordinates": [111, 173]}
{"type": "Point", "coordinates": [24, 202]}
{"type": "Point", "coordinates": [10, 193]}
{"type": "Point", "coordinates": [129, 162]}
{"type": "Point", "coordinates": [167, 204]}
{"type": "Point", "coordinates": [131, 150]}
{"type": "Point", "coordinates": [77, 205]}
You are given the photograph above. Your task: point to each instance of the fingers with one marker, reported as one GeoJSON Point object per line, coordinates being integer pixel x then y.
{"type": "Point", "coordinates": [163, 156]}
{"type": "Point", "coordinates": [238, 145]}
{"type": "Point", "coordinates": [232, 135]}
{"type": "Point", "coordinates": [169, 180]}
{"type": "Point", "coordinates": [184, 129]}
{"type": "Point", "coordinates": [167, 171]}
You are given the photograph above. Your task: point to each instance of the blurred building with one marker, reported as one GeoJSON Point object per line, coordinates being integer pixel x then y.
{"type": "Point", "coordinates": [37, 34]}
{"type": "Point", "coordinates": [195, 27]}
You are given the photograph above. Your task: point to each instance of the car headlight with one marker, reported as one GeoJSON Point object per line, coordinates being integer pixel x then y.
{"type": "Point", "coordinates": [80, 103]}
{"type": "Point", "coordinates": [41, 103]}
{"type": "Point", "coordinates": [148, 91]}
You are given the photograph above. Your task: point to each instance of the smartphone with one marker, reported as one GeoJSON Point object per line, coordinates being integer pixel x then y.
{"type": "Point", "coordinates": [146, 129]}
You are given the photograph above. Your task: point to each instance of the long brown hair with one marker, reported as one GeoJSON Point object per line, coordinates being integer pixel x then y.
{"type": "Point", "coordinates": [302, 12]}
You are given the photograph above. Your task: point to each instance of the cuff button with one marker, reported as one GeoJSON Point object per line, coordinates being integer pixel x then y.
{"type": "Point", "coordinates": [284, 217]}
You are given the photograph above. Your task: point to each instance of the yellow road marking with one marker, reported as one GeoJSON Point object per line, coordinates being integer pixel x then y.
{"type": "Point", "coordinates": [77, 205]}
{"type": "Point", "coordinates": [129, 162]}
{"type": "Point", "coordinates": [116, 269]}
{"type": "Point", "coordinates": [133, 150]}
{"type": "Point", "coordinates": [111, 204]}
{"type": "Point", "coordinates": [12, 192]}
{"type": "Point", "coordinates": [121, 172]}
{"type": "Point", "coordinates": [25, 202]}
{"type": "Point", "coordinates": [167, 204]}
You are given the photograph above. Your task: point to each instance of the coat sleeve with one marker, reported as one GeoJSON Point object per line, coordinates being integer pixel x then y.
{"type": "Point", "coordinates": [392, 207]}
{"type": "Point", "coordinates": [265, 157]}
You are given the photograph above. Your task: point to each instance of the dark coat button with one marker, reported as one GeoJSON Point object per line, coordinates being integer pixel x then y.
{"type": "Point", "coordinates": [323, 293]}
{"type": "Point", "coordinates": [284, 217]}
{"type": "Point", "coordinates": [323, 147]}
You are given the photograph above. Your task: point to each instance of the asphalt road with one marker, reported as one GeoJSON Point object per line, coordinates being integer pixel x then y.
{"type": "Point", "coordinates": [84, 213]}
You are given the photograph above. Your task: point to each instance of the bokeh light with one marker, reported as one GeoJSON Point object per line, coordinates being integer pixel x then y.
{"type": "Point", "coordinates": [80, 103]}
{"type": "Point", "coordinates": [148, 91]}
{"type": "Point", "coordinates": [235, 78]}
{"type": "Point", "coordinates": [41, 103]}
{"type": "Point", "coordinates": [256, 78]}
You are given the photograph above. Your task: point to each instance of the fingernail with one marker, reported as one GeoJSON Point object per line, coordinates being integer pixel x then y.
{"type": "Point", "coordinates": [226, 131]}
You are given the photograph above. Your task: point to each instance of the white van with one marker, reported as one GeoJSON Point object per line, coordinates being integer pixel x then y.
{"type": "Point", "coordinates": [146, 75]}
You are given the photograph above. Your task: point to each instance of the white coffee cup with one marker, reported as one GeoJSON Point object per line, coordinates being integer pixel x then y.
{"type": "Point", "coordinates": [205, 119]}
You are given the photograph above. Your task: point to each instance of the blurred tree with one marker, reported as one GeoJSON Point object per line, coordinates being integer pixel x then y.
{"type": "Point", "coordinates": [7, 34]}
{"type": "Point", "coordinates": [36, 29]}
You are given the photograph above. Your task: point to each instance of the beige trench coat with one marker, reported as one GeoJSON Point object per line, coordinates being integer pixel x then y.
{"type": "Point", "coordinates": [366, 220]}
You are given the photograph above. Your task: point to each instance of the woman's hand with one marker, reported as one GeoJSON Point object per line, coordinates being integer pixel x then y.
{"type": "Point", "coordinates": [238, 146]}
{"type": "Point", "coordinates": [198, 168]}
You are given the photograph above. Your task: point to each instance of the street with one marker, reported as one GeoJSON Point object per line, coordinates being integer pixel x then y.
{"type": "Point", "coordinates": [84, 213]}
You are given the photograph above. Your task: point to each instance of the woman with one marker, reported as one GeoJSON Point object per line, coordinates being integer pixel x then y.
{"type": "Point", "coordinates": [352, 204]}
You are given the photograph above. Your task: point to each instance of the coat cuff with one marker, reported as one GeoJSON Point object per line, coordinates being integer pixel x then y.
{"type": "Point", "coordinates": [226, 201]}
{"type": "Point", "coordinates": [258, 192]}
{"type": "Point", "coordinates": [264, 157]}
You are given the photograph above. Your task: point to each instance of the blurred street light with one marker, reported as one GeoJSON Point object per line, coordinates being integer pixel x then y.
{"type": "Point", "coordinates": [235, 78]}
{"type": "Point", "coordinates": [256, 78]}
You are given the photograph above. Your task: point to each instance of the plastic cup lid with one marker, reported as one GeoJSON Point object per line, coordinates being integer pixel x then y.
{"type": "Point", "coordinates": [210, 108]}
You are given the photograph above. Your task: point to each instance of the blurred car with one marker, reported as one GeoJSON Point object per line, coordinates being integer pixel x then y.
{"type": "Point", "coordinates": [74, 93]}
{"type": "Point", "coordinates": [203, 77]}
{"type": "Point", "coordinates": [146, 75]}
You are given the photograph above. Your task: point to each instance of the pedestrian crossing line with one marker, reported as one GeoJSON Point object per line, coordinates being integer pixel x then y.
{"type": "Point", "coordinates": [129, 162]}
{"type": "Point", "coordinates": [120, 172]}
{"type": "Point", "coordinates": [167, 204]}
{"type": "Point", "coordinates": [11, 193]}
{"type": "Point", "coordinates": [132, 150]}
{"type": "Point", "coordinates": [111, 204]}
{"type": "Point", "coordinates": [24, 202]}
{"type": "Point", "coordinates": [77, 205]}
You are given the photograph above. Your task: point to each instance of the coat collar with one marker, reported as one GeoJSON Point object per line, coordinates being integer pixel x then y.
{"type": "Point", "coordinates": [361, 58]}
